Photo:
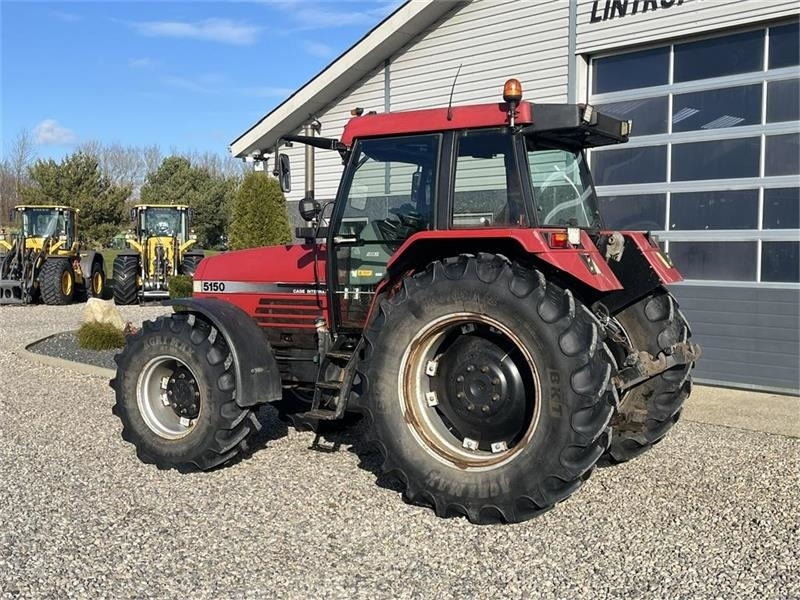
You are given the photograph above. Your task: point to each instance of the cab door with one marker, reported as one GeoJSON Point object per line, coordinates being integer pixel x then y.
{"type": "Point", "coordinates": [387, 196]}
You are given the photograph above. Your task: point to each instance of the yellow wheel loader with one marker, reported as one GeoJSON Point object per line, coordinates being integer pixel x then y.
{"type": "Point", "coordinates": [162, 246]}
{"type": "Point", "coordinates": [46, 261]}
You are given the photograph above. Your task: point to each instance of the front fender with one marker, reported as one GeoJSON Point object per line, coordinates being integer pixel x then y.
{"type": "Point", "coordinates": [257, 377]}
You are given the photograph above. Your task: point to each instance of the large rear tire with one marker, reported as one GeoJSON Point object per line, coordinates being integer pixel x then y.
{"type": "Point", "coordinates": [57, 281]}
{"type": "Point", "coordinates": [126, 275]}
{"type": "Point", "coordinates": [175, 395]}
{"type": "Point", "coordinates": [488, 390]}
{"type": "Point", "coordinates": [650, 409]}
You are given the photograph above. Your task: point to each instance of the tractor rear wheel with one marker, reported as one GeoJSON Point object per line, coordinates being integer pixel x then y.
{"type": "Point", "coordinates": [489, 391]}
{"type": "Point", "coordinates": [126, 274]}
{"type": "Point", "coordinates": [175, 395]}
{"type": "Point", "coordinates": [57, 282]}
{"type": "Point", "coordinates": [189, 264]}
{"type": "Point", "coordinates": [648, 410]}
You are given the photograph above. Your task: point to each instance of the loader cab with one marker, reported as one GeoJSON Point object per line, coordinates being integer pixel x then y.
{"type": "Point", "coordinates": [54, 223]}
{"type": "Point", "coordinates": [162, 221]}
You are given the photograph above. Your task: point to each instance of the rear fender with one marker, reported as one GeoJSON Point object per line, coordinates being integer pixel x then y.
{"type": "Point", "coordinates": [583, 264]}
{"type": "Point", "coordinates": [257, 377]}
{"type": "Point", "coordinates": [87, 260]}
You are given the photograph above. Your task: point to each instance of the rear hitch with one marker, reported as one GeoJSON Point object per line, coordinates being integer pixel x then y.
{"type": "Point", "coordinates": [641, 366]}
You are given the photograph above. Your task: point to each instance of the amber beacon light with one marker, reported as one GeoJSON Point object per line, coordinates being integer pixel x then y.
{"type": "Point", "coordinates": [512, 91]}
{"type": "Point", "coordinates": [512, 94]}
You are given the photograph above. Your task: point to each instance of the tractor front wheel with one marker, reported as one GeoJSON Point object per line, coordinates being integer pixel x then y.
{"type": "Point", "coordinates": [126, 275]}
{"type": "Point", "coordinates": [175, 395]}
{"type": "Point", "coordinates": [489, 390]}
{"type": "Point", "coordinates": [57, 282]}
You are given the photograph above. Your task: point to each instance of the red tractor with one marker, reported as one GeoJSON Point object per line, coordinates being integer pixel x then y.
{"type": "Point", "coordinates": [462, 294]}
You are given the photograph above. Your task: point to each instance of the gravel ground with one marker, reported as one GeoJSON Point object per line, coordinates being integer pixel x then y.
{"type": "Point", "coordinates": [712, 512]}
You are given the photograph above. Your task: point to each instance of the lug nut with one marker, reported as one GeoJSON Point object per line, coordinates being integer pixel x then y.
{"type": "Point", "coordinates": [460, 395]}
{"type": "Point", "coordinates": [470, 407]}
{"type": "Point", "coordinates": [470, 368]}
{"type": "Point", "coordinates": [495, 397]}
{"type": "Point", "coordinates": [484, 369]}
{"type": "Point", "coordinates": [496, 381]}
{"type": "Point", "coordinates": [460, 378]}
{"type": "Point", "coordinates": [484, 408]}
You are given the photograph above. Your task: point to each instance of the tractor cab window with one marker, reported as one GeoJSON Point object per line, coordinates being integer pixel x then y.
{"type": "Point", "coordinates": [562, 188]}
{"type": "Point", "coordinates": [487, 187]}
{"type": "Point", "coordinates": [388, 196]}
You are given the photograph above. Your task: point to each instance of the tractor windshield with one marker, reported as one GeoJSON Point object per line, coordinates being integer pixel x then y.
{"type": "Point", "coordinates": [43, 223]}
{"type": "Point", "coordinates": [562, 188]}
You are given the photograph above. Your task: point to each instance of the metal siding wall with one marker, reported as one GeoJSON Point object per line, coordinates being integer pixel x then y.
{"type": "Point", "coordinates": [749, 335]}
{"type": "Point", "coordinates": [690, 18]}
{"type": "Point", "coordinates": [493, 40]}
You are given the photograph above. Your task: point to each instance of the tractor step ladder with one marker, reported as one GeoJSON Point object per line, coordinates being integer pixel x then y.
{"type": "Point", "coordinates": [330, 396]}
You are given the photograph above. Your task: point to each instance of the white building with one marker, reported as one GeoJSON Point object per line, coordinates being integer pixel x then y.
{"type": "Point", "coordinates": [713, 166]}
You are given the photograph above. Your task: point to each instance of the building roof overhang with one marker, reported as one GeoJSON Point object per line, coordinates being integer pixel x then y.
{"type": "Point", "coordinates": [394, 32]}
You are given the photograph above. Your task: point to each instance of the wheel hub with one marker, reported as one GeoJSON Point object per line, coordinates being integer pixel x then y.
{"type": "Point", "coordinates": [183, 393]}
{"type": "Point", "coordinates": [482, 392]}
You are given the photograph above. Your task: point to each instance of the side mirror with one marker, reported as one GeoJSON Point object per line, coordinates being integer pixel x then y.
{"type": "Point", "coordinates": [189, 215]}
{"type": "Point", "coordinates": [12, 215]}
{"type": "Point", "coordinates": [284, 173]}
{"type": "Point", "coordinates": [133, 214]}
{"type": "Point", "coordinates": [309, 209]}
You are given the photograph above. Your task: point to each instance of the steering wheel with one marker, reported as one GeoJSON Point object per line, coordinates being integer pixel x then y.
{"type": "Point", "coordinates": [405, 225]}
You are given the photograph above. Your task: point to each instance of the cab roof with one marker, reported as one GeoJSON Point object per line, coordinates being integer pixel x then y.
{"type": "Point", "coordinates": [176, 206]}
{"type": "Point", "coordinates": [22, 207]}
{"type": "Point", "coordinates": [434, 119]}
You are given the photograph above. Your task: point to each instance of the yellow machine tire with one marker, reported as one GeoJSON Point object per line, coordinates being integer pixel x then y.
{"type": "Point", "coordinates": [57, 282]}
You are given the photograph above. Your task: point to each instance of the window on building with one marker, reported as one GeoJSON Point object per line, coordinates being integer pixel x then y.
{"type": "Point", "coordinates": [714, 156]}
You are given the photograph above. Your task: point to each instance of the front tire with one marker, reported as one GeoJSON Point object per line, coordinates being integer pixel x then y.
{"type": "Point", "coordinates": [648, 410]}
{"type": "Point", "coordinates": [189, 264]}
{"type": "Point", "coordinates": [126, 275]}
{"type": "Point", "coordinates": [175, 395]}
{"type": "Point", "coordinates": [57, 282]}
{"type": "Point", "coordinates": [489, 391]}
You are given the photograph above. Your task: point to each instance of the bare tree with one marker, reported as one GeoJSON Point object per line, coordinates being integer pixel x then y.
{"type": "Point", "coordinates": [14, 171]}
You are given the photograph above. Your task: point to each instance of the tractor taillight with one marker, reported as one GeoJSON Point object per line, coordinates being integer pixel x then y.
{"type": "Point", "coordinates": [512, 91]}
{"type": "Point", "coordinates": [558, 239]}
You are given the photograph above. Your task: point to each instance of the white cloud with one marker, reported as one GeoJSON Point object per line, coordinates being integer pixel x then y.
{"type": "Point", "coordinates": [50, 133]}
{"type": "Point", "coordinates": [213, 30]}
{"type": "Point", "coordinates": [66, 16]}
{"type": "Point", "coordinates": [318, 49]}
{"type": "Point", "coordinates": [321, 15]}
{"type": "Point", "coordinates": [141, 63]}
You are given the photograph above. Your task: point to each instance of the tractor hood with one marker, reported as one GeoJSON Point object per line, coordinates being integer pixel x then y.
{"type": "Point", "coordinates": [272, 269]}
